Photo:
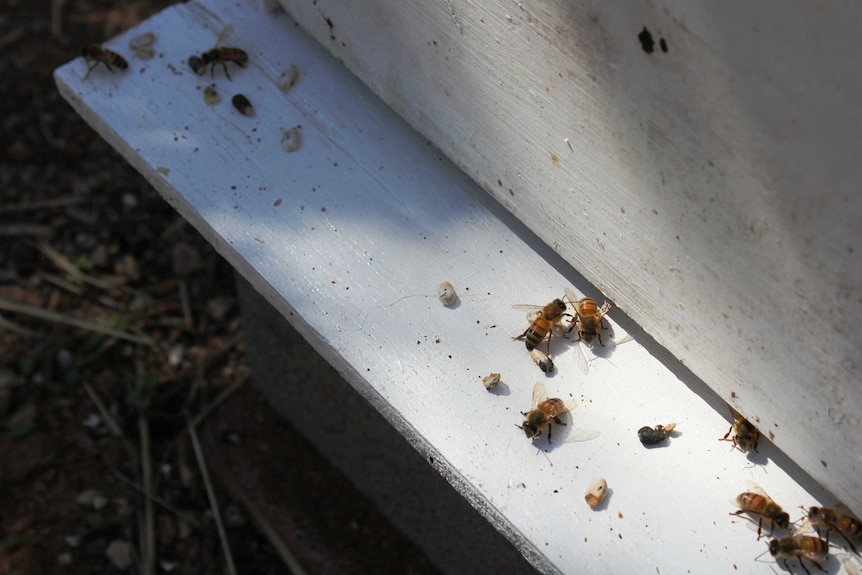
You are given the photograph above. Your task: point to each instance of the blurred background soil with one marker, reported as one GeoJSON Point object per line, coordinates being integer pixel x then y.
{"type": "Point", "coordinates": [119, 325]}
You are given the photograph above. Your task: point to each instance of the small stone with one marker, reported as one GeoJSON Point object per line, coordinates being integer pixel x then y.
{"type": "Point", "coordinates": [119, 554]}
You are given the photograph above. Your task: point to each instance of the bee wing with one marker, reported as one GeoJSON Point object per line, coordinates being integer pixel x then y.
{"type": "Point", "coordinates": [581, 358]}
{"type": "Point", "coordinates": [569, 405]}
{"type": "Point", "coordinates": [532, 311]}
{"type": "Point", "coordinates": [577, 434]}
{"type": "Point", "coordinates": [573, 299]}
{"type": "Point", "coordinates": [540, 393]}
{"type": "Point", "coordinates": [625, 339]}
{"type": "Point", "coordinates": [606, 307]}
{"type": "Point", "coordinates": [755, 488]}
{"type": "Point", "coordinates": [224, 35]}
{"type": "Point", "coordinates": [804, 527]}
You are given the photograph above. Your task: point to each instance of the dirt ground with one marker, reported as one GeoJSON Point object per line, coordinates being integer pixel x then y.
{"type": "Point", "coordinates": [119, 325]}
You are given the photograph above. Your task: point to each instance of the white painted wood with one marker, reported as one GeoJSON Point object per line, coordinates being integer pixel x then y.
{"type": "Point", "coordinates": [350, 236]}
{"type": "Point", "coordinates": [265, 5]}
{"type": "Point", "coordinates": [711, 191]}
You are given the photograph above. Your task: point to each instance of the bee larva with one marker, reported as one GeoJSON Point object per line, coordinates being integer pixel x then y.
{"type": "Point", "coordinates": [596, 492]}
{"type": "Point", "coordinates": [287, 78]}
{"type": "Point", "coordinates": [446, 294]}
{"type": "Point", "coordinates": [490, 381]}
{"type": "Point", "coordinates": [142, 45]}
{"type": "Point", "coordinates": [291, 140]}
{"type": "Point", "coordinates": [242, 104]}
{"type": "Point", "coordinates": [211, 96]}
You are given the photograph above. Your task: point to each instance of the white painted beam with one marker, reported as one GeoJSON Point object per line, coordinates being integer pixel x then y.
{"type": "Point", "coordinates": [711, 191]}
{"type": "Point", "coordinates": [349, 237]}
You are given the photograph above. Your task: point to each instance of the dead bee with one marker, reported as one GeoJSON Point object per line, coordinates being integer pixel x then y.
{"type": "Point", "coordinates": [98, 55]}
{"type": "Point", "coordinates": [242, 104]}
{"type": "Point", "coordinates": [745, 435]}
{"type": "Point", "coordinates": [544, 361]}
{"type": "Point", "coordinates": [223, 55]}
{"type": "Point", "coordinates": [545, 321]}
{"type": "Point", "coordinates": [654, 435]}
{"type": "Point", "coordinates": [828, 519]}
{"type": "Point", "coordinates": [757, 502]}
{"type": "Point", "coordinates": [799, 547]}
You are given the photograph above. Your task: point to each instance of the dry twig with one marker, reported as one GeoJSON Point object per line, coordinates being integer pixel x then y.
{"type": "Point", "coordinates": [148, 535]}
{"type": "Point", "coordinates": [193, 436]}
{"type": "Point", "coordinates": [272, 536]}
{"type": "Point", "coordinates": [79, 323]}
{"type": "Point", "coordinates": [218, 400]}
{"type": "Point", "coordinates": [64, 264]}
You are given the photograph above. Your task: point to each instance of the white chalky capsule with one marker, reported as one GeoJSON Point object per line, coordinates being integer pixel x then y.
{"type": "Point", "coordinates": [596, 492]}
{"type": "Point", "coordinates": [491, 380]}
{"type": "Point", "coordinates": [446, 294]}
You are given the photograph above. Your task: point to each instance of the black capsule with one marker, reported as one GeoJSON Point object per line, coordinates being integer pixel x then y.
{"type": "Point", "coordinates": [242, 104]}
{"type": "Point", "coordinates": [546, 365]}
{"type": "Point", "coordinates": [654, 435]}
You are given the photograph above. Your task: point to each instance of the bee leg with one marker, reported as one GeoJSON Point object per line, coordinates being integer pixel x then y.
{"type": "Point", "coordinates": [549, 433]}
{"type": "Point", "coordinates": [756, 439]}
{"type": "Point", "coordinates": [759, 525]}
{"type": "Point", "coordinates": [558, 421]}
{"type": "Point", "coordinates": [599, 335]}
{"type": "Point", "coordinates": [801, 563]}
{"type": "Point", "coordinates": [816, 564]}
{"type": "Point", "coordinates": [847, 539]}
{"type": "Point", "coordinates": [226, 73]}
{"type": "Point", "coordinates": [726, 435]}
{"type": "Point", "coordinates": [90, 69]}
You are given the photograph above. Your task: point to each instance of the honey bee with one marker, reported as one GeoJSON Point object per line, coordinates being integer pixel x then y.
{"type": "Point", "coordinates": [98, 55]}
{"type": "Point", "coordinates": [544, 411]}
{"type": "Point", "coordinates": [223, 55]}
{"type": "Point", "coordinates": [745, 435]}
{"type": "Point", "coordinates": [799, 547]}
{"type": "Point", "coordinates": [828, 518]}
{"type": "Point", "coordinates": [545, 321]}
{"type": "Point", "coordinates": [588, 317]}
{"type": "Point", "coordinates": [757, 502]}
